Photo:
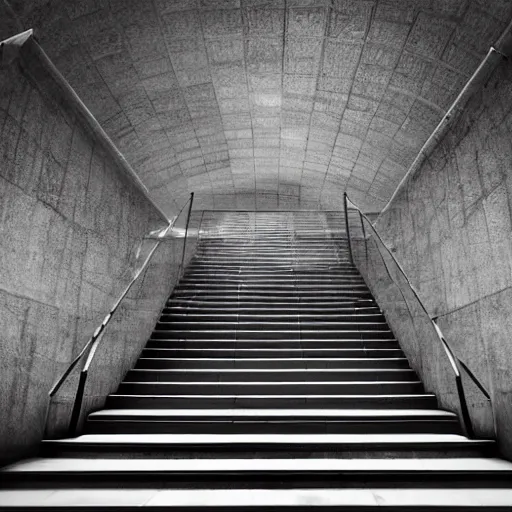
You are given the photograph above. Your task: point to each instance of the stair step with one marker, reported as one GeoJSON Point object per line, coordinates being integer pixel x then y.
{"type": "Point", "coordinates": [313, 313]}
{"type": "Point", "coordinates": [269, 326]}
{"type": "Point", "coordinates": [245, 500]}
{"type": "Point", "coordinates": [268, 274]}
{"type": "Point", "coordinates": [291, 251]}
{"type": "Point", "coordinates": [278, 300]}
{"type": "Point", "coordinates": [246, 334]}
{"type": "Point", "coordinates": [261, 316]}
{"type": "Point", "coordinates": [271, 362]}
{"type": "Point", "coordinates": [273, 473]}
{"type": "Point", "coordinates": [269, 388]}
{"type": "Point", "coordinates": [290, 445]}
{"type": "Point", "coordinates": [254, 295]}
{"type": "Point", "coordinates": [278, 305]}
{"type": "Point", "coordinates": [265, 282]}
{"type": "Point", "coordinates": [223, 266]}
{"type": "Point", "coordinates": [305, 401]}
{"type": "Point", "coordinates": [284, 353]}
{"type": "Point", "coordinates": [229, 375]}
{"type": "Point", "coordinates": [275, 258]}
{"type": "Point", "coordinates": [277, 287]}
{"type": "Point", "coordinates": [254, 261]}
{"type": "Point", "coordinates": [269, 343]}
{"type": "Point", "coordinates": [270, 421]}
{"type": "Point", "coordinates": [273, 414]}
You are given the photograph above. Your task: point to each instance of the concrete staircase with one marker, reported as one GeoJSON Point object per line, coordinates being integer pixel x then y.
{"type": "Point", "coordinates": [271, 381]}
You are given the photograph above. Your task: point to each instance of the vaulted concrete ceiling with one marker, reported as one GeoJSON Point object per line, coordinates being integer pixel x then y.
{"type": "Point", "coordinates": [297, 100]}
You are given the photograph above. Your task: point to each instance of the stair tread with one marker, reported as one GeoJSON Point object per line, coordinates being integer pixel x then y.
{"type": "Point", "coordinates": [456, 498]}
{"type": "Point", "coordinates": [275, 359]}
{"type": "Point", "coordinates": [313, 413]}
{"type": "Point", "coordinates": [281, 395]}
{"type": "Point", "coordinates": [462, 465]}
{"type": "Point", "coordinates": [274, 370]}
{"type": "Point", "coordinates": [274, 383]}
{"type": "Point", "coordinates": [306, 350]}
{"type": "Point", "coordinates": [233, 439]}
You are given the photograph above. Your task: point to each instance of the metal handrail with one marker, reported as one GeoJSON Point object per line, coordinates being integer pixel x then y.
{"type": "Point", "coordinates": [455, 362]}
{"type": "Point", "coordinates": [347, 229]}
{"type": "Point", "coordinates": [191, 200]}
{"type": "Point", "coordinates": [92, 345]}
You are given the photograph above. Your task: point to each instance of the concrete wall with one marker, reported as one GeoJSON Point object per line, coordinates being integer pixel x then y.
{"type": "Point", "coordinates": [450, 227]}
{"type": "Point", "coordinates": [71, 235]}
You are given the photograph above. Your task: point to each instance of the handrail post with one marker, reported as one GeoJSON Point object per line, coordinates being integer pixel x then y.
{"type": "Point", "coordinates": [466, 418]}
{"type": "Point", "coordinates": [77, 406]}
{"type": "Point", "coordinates": [454, 360]}
{"type": "Point", "coordinates": [364, 234]}
{"type": "Point", "coordinates": [347, 228]}
{"type": "Point", "coordinates": [186, 232]}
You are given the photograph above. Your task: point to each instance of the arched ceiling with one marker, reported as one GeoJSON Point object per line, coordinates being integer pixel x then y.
{"type": "Point", "coordinates": [295, 100]}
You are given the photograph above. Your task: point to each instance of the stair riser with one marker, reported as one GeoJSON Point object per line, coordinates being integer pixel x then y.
{"type": "Point", "coordinates": [274, 288]}
{"type": "Point", "coordinates": [271, 376]}
{"type": "Point", "coordinates": [337, 263]}
{"type": "Point", "coordinates": [241, 295]}
{"type": "Point", "coordinates": [277, 402]}
{"type": "Point", "coordinates": [224, 265]}
{"type": "Point", "coordinates": [277, 305]}
{"type": "Point", "coordinates": [176, 318]}
{"type": "Point", "coordinates": [274, 247]}
{"type": "Point", "coordinates": [272, 427]}
{"type": "Point", "coordinates": [269, 388]}
{"type": "Point", "coordinates": [256, 313]}
{"type": "Point", "coordinates": [263, 282]}
{"type": "Point", "coordinates": [280, 353]}
{"type": "Point", "coordinates": [302, 363]}
{"type": "Point", "coordinates": [269, 480]}
{"type": "Point", "coordinates": [292, 249]}
{"type": "Point", "coordinates": [298, 325]}
{"type": "Point", "coordinates": [266, 451]}
{"type": "Point", "coordinates": [296, 334]}
{"type": "Point", "coordinates": [265, 344]}
{"type": "Point", "coordinates": [286, 270]}
{"type": "Point", "coordinates": [249, 299]}
{"type": "Point", "coordinates": [273, 252]}
{"type": "Point", "coordinates": [273, 255]}
{"type": "Point", "coordinates": [278, 267]}
{"type": "Point", "coordinates": [270, 259]}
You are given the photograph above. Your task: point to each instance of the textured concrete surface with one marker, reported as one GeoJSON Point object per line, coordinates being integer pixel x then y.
{"type": "Point", "coordinates": [297, 100]}
{"type": "Point", "coordinates": [71, 235]}
{"type": "Point", "coordinates": [450, 226]}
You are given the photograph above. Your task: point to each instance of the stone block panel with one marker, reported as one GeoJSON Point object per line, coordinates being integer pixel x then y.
{"type": "Point", "coordinates": [71, 232]}
{"type": "Point", "coordinates": [450, 228]}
